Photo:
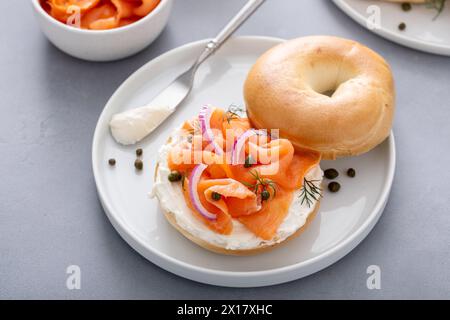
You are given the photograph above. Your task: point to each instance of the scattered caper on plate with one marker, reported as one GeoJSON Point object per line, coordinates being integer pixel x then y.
{"type": "Point", "coordinates": [331, 174]}
{"type": "Point", "coordinates": [334, 186]}
{"type": "Point", "coordinates": [216, 196]}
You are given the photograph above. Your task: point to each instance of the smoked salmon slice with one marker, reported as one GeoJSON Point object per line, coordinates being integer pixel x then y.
{"type": "Point", "coordinates": [146, 7]}
{"type": "Point", "coordinates": [125, 9]}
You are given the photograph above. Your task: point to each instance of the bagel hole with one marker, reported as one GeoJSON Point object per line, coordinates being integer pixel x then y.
{"type": "Point", "coordinates": [325, 77]}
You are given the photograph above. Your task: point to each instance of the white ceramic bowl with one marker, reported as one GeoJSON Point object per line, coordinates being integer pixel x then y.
{"type": "Point", "coordinates": [104, 45]}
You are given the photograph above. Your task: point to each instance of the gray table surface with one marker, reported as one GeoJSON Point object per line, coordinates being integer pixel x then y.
{"type": "Point", "coordinates": [50, 216]}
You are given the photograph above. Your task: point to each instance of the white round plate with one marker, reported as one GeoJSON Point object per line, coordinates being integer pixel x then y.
{"type": "Point", "coordinates": [344, 220]}
{"type": "Point", "coordinates": [424, 30]}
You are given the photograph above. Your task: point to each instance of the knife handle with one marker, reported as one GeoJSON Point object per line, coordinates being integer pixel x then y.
{"type": "Point", "coordinates": [247, 10]}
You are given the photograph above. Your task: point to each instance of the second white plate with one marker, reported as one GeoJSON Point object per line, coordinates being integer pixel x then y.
{"type": "Point", "coordinates": [344, 220]}
{"type": "Point", "coordinates": [423, 32]}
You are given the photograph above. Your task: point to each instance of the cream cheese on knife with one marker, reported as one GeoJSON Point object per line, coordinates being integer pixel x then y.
{"type": "Point", "coordinates": [134, 125]}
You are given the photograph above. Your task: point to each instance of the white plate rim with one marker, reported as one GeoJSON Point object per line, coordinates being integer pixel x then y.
{"type": "Point", "coordinates": [234, 278]}
{"type": "Point", "coordinates": [428, 47]}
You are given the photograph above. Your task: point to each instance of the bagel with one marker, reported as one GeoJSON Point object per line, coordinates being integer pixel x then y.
{"type": "Point", "coordinates": [323, 93]}
{"type": "Point", "coordinates": [171, 217]}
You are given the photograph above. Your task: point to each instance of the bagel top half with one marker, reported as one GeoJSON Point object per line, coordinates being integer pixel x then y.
{"type": "Point", "coordinates": [323, 93]}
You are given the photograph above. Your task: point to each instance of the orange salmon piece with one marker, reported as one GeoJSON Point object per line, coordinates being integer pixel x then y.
{"type": "Point", "coordinates": [235, 127]}
{"type": "Point", "coordinates": [266, 222]}
{"type": "Point", "coordinates": [217, 117]}
{"type": "Point", "coordinates": [103, 17]}
{"type": "Point", "coordinates": [238, 199]}
{"type": "Point", "coordinates": [223, 223]}
{"type": "Point", "coordinates": [280, 153]}
{"type": "Point", "coordinates": [60, 8]}
{"type": "Point", "coordinates": [127, 21]}
{"type": "Point", "coordinates": [146, 7]}
{"type": "Point", "coordinates": [124, 10]}
{"type": "Point", "coordinates": [300, 165]}
{"type": "Point", "coordinates": [100, 14]}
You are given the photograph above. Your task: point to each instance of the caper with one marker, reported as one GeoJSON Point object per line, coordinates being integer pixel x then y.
{"type": "Point", "coordinates": [216, 196]}
{"type": "Point", "coordinates": [331, 174]}
{"type": "Point", "coordinates": [112, 162]}
{"type": "Point", "coordinates": [248, 162]}
{"type": "Point", "coordinates": [265, 195]}
{"type": "Point", "coordinates": [139, 152]}
{"type": "Point", "coordinates": [406, 6]}
{"type": "Point", "coordinates": [334, 186]}
{"type": "Point", "coordinates": [351, 173]}
{"type": "Point", "coordinates": [138, 164]}
{"type": "Point", "coordinates": [175, 176]}
{"type": "Point", "coordinates": [402, 26]}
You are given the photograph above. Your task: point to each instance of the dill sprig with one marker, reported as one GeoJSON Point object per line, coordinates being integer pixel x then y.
{"type": "Point", "coordinates": [261, 183]}
{"type": "Point", "coordinates": [234, 112]}
{"type": "Point", "coordinates": [437, 5]}
{"type": "Point", "coordinates": [310, 192]}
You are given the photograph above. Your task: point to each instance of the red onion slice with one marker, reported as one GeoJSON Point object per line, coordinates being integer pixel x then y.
{"type": "Point", "coordinates": [205, 124]}
{"type": "Point", "coordinates": [194, 178]}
